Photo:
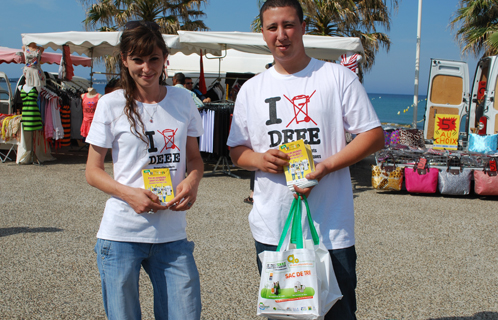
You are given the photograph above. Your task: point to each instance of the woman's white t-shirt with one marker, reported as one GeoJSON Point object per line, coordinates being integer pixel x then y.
{"type": "Point", "coordinates": [173, 120]}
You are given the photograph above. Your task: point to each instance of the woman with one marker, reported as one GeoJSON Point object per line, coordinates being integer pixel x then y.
{"type": "Point", "coordinates": [147, 126]}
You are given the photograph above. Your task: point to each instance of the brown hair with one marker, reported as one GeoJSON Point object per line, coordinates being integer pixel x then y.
{"type": "Point", "coordinates": [138, 41]}
{"type": "Point", "coordinates": [282, 3]}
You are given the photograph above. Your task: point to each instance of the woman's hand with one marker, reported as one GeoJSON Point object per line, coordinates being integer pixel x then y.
{"type": "Point", "coordinates": [142, 200]}
{"type": "Point", "coordinates": [186, 194]}
{"type": "Point", "coordinates": [186, 191]}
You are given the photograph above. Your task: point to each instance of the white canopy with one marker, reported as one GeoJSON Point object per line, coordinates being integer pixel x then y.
{"type": "Point", "coordinates": [320, 47]}
{"type": "Point", "coordinates": [97, 44]}
{"type": "Point", "coordinates": [92, 43]}
{"type": "Point", "coordinates": [232, 61]}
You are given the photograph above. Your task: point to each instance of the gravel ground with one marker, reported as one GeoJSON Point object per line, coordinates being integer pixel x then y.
{"type": "Point", "coordinates": [419, 257]}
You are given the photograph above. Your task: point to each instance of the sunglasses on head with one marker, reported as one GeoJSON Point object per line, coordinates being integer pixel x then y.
{"type": "Point", "coordinates": [134, 24]}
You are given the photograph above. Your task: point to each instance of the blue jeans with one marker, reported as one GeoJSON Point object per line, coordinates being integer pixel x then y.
{"type": "Point", "coordinates": [344, 263]}
{"type": "Point", "coordinates": [171, 269]}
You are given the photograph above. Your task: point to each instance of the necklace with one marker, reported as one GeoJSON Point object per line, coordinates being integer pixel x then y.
{"type": "Point", "coordinates": [151, 116]}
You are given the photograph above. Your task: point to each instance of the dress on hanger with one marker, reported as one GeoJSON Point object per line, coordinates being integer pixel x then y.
{"type": "Point", "coordinates": [31, 116]}
{"type": "Point", "coordinates": [89, 105]}
{"type": "Point", "coordinates": [32, 71]}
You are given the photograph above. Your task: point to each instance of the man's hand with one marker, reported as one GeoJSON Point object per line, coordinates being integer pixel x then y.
{"type": "Point", "coordinates": [272, 161]}
{"type": "Point", "coordinates": [320, 172]}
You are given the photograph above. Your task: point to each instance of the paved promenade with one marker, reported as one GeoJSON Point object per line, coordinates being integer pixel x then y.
{"type": "Point", "coordinates": [419, 257]}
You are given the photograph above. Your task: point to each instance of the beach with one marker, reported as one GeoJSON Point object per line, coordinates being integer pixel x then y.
{"type": "Point", "coordinates": [419, 256]}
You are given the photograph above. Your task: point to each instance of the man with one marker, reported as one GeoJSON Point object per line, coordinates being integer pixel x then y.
{"type": "Point", "coordinates": [179, 81]}
{"type": "Point", "coordinates": [303, 98]}
{"type": "Point", "coordinates": [190, 85]}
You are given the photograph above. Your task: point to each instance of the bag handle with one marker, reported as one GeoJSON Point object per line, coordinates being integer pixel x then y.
{"type": "Point", "coordinates": [288, 222]}
{"type": "Point", "coordinates": [294, 217]}
{"type": "Point", "coordinates": [455, 159]}
{"type": "Point", "coordinates": [391, 157]}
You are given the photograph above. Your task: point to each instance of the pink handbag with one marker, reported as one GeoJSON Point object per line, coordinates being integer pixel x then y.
{"type": "Point", "coordinates": [486, 181]}
{"type": "Point", "coordinates": [420, 179]}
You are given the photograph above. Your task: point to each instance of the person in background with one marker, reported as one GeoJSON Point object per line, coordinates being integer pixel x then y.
{"type": "Point", "coordinates": [189, 84]}
{"type": "Point", "coordinates": [179, 82]}
{"type": "Point", "coordinates": [147, 125]}
{"type": "Point", "coordinates": [303, 98]}
{"type": "Point", "coordinates": [250, 200]}
{"type": "Point", "coordinates": [112, 85]}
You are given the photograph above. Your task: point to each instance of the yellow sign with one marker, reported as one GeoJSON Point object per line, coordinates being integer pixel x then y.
{"type": "Point", "coordinates": [446, 131]}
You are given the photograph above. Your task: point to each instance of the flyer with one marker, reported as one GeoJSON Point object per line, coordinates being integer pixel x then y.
{"type": "Point", "coordinates": [159, 182]}
{"type": "Point", "coordinates": [300, 164]}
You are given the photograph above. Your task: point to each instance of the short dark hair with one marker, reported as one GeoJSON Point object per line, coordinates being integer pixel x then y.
{"type": "Point", "coordinates": [282, 3]}
{"type": "Point", "coordinates": [179, 77]}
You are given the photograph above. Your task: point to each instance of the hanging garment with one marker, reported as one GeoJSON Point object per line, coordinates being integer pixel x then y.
{"type": "Point", "coordinates": [76, 118]}
{"type": "Point", "coordinates": [32, 71]}
{"type": "Point", "coordinates": [31, 116]}
{"type": "Point", "coordinates": [58, 132]}
{"type": "Point", "coordinates": [66, 125]}
{"type": "Point", "coordinates": [89, 106]}
{"type": "Point", "coordinates": [350, 60]}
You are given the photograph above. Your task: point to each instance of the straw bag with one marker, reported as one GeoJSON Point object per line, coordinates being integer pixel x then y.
{"type": "Point", "coordinates": [486, 181]}
{"type": "Point", "coordinates": [387, 177]}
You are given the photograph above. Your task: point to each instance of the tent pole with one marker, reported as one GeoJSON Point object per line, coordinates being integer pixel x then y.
{"type": "Point", "coordinates": [91, 68]}
{"type": "Point", "coordinates": [417, 65]}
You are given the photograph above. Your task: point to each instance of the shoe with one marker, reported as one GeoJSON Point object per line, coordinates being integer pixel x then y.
{"type": "Point", "coordinates": [249, 200]}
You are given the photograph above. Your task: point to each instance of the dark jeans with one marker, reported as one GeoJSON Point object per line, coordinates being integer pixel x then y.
{"type": "Point", "coordinates": [344, 263]}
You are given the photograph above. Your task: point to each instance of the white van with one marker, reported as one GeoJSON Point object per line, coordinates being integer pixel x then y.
{"type": "Point", "coordinates": [449, 93]}
{"type": "Point", "coordinates": [6, 97]}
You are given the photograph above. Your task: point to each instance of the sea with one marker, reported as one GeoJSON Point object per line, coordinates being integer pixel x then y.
{"type": "Point", "coordinates": [391, 108]}
{"type": "Point", "coordinates": [398, 108]}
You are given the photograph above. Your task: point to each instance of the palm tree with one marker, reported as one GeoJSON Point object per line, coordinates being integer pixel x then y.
{"type": "Point", "coordinates": [349, 18]}
{"type": "Point", "coordinates": [477, 23]}
{"type": "Point", "coordinates": [170, 15]}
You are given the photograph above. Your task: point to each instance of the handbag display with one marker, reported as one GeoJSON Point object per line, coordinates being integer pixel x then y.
{"type": "Point", "coordinates": [483, 144]}
{"type": "Point", "coordinates": [394, 137]}
{"type": "Point", "coordinates": [412, 137]}
{"type": "Point", "coordinates": [420, 178]}
{"type": "Point", "coordinates": [387, 177]}
{"type": "Point", "coordinates": [297, 280]}
{"type": "Point", "coordinates": [454, 181]}
{"type": "Point", "coordinates": [486, 181]}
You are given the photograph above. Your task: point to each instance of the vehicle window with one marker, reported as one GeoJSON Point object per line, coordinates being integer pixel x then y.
{"type": "Point", "coordinates": [447, 90]}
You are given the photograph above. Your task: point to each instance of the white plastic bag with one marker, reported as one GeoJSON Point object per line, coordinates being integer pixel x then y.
{"type": "Point", "coordinates": [297, 283]}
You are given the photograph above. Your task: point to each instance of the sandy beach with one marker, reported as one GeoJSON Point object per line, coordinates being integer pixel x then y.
{"type": "Point", "coordinates": [419, 256]}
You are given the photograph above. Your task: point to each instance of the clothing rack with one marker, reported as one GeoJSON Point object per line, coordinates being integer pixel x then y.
{"type": "Point", "coordinates": [223, 113]}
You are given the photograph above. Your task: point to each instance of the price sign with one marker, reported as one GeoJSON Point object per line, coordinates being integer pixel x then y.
{"type": "Point", "coordinates": [492, 165]}
{"type": "Point", "coordinates": [446, 131]}
{"type": "Point", "coordinates": [421, 163]}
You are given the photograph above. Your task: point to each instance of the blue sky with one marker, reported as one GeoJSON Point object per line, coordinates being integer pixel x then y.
{"type": "Point", "coordinates": [393, 72]}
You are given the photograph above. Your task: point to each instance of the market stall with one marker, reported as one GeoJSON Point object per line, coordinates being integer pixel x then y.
{"type": "Point", "coordinates": [408, 163]}
{"type": "Point", "coordinates": [12, 138]}
{"type": "Point", "coordinates": [242, 52]}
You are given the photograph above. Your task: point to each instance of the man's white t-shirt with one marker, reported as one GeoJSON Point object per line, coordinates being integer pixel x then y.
{"type": "Point", "coordinates": [318, 104]}
{"type": "Point", "coordinates": [173, 120]}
